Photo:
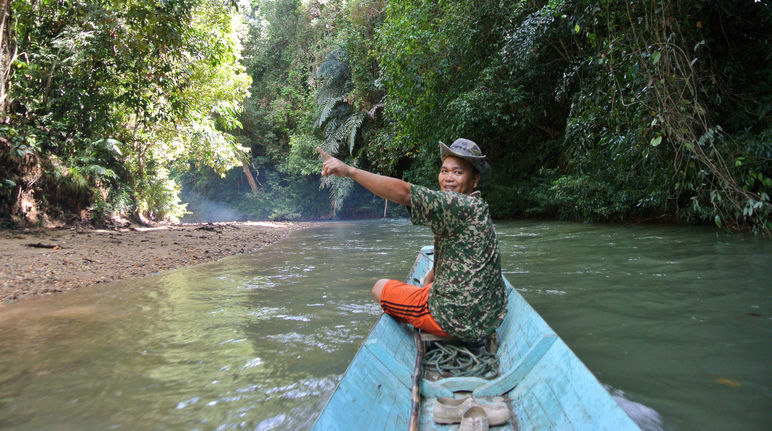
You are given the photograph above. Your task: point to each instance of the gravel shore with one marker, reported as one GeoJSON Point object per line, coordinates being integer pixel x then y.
{"type": "Point", "coordinates": [46, 261]}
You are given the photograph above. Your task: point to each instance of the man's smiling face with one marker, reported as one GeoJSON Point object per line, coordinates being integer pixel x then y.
{"type": "Point", "coordinates": [458, 175]}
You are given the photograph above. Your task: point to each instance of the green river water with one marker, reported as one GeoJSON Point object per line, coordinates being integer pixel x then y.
{"type": "Point", "coordinates": [676, 322]}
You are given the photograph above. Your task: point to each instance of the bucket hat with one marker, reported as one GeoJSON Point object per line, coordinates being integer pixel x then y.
{"type": "Point", "coordinates": [468, 150]}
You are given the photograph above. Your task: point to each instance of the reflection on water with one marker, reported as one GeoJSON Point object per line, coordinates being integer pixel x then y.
{"type": "Point", "coordinates": [674, 321]}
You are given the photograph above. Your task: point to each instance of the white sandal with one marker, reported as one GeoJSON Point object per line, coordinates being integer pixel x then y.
{"type": "Point", "coordinates": [474, 419]}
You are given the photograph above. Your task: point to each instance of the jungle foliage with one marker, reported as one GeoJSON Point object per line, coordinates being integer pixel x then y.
{"type": "Point", "coordinates": [104, 99]}
{"type": "Point", "coordinates": [591, 110]}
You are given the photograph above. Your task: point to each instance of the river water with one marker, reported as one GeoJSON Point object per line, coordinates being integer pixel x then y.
{"type": "Point", "coordinates": [676, 322]}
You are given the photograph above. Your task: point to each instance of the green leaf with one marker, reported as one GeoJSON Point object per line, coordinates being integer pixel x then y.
{"type": "Point", "coordinates": [717, 220]}
{"type": "Point", "coordinates": [576, 28]}
{"type": "Point", "coordinates": [655, 57]}
{"type": "Point", "coordinates": [656, 141]}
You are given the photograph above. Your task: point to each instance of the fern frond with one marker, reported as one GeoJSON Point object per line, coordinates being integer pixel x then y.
{"type": "Point", "coordinates": [340, 189]}
{"type": "Point", "coordinates": [109, 145]}
{"type": "Point", "coordinates": [348, 130]}
{"type": "Point", "coordinates": [333, 124]}
{"type": "Point", "coordinates": [98, 172]}
{"type": "Point", "coordinates": [328, 105]}
{"type": "Point", "coordinates": [325, 93]}
{"type": "Point", "coordinates": [77, 177]}
{"type": "Point", "coordinates": [335, 72]}
{"type": "Point", "coordinates": [355, 122]}
{"type": "Point", "coordinates": [330, 146]}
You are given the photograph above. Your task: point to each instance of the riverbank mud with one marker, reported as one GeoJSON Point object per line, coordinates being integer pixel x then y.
{"type": "Point", "coordinates": [46, 261]}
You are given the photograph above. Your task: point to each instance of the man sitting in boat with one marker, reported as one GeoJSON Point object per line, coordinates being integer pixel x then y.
{"type": "Point", "coordinates": [464, 296]}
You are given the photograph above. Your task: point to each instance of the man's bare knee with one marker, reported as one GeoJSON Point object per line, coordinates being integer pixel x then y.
{"type": "Point", "coordinates": [378, 288]}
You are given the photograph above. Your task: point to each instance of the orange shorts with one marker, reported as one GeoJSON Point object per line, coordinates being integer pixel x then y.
{"type": "Point", "coordinates": [410, 304]}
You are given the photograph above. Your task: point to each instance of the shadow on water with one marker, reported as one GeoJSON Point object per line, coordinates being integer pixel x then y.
{"type": "Point", "coordinates": [675, 322]}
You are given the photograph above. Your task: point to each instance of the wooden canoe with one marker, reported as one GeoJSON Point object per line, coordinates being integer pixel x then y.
{"type": "Point", "coordinates": [547, 386]}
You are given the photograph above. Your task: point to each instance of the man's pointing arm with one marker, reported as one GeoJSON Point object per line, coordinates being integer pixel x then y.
{"type": "Point", "coordinates": [389, 188]}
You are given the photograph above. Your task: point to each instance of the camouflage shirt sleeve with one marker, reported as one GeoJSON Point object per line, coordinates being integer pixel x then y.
{"type": "Point", "coordinates": [442, 212]}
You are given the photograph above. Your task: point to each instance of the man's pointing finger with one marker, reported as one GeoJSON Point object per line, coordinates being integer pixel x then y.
{"type": "Point", "coordinates": [322, 153]}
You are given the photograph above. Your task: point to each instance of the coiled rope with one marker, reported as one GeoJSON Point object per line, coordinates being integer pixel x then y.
{"type": "Point", "coordinates": [459, 359]}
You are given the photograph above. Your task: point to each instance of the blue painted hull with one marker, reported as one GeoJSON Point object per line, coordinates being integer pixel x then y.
{"type": "Point", "coordinates": [549, 387]}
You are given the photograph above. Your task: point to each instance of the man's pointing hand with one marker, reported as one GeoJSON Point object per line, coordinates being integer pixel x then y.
{"type": "Point", "coordinates": [333, 166]}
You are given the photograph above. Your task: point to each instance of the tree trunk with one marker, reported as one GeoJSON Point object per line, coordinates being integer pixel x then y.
{"type": "Point", "coordinates": [5, 55]}
{"type": "Point", "coordinates": [248, 173]}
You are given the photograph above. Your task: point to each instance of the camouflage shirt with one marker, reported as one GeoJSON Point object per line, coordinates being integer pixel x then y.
{"type": "Point", "coordinates": [468, 298]}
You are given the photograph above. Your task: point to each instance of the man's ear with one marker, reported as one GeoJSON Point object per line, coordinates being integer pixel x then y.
{"type": "Point", "coordinates": [476, 180]}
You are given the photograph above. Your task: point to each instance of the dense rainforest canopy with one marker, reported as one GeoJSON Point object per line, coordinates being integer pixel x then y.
{"type": "Point", "coordinates": [593, 110]}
